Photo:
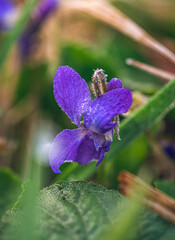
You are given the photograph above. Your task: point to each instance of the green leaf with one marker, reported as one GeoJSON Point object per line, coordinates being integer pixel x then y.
{"type": "Point", "coordinates": [81, 210]}
{"type": "Point", "coordinates": [71, 211]}
{"type": "Point", "coordinates": [167, 187]}
{"type": "Point", "coordinates": [14, 34]}
{"type": "Point", "coordinates": [10, 187]}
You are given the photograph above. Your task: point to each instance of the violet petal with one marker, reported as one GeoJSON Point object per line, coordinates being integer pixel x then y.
{"type": "Point", "coordinates": [71, 93]}
{"type": "Point", "coordinates": [114, 83]}
{"type": "Point", "coordinates": [99, 140]}
{"type": "Point", "coordinates": [105, 148]}
{"type": "Point", "coordinates": [87, 151]}
{"type": "Point", "coordinates": [75, 146]}
{"type": "Point", "coordinates": [64, 147]}
{"type": "Point", "coordinates": [98, 117]}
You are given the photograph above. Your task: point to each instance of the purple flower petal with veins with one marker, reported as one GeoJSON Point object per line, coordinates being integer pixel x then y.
{"type": "Point", "coordinates": [75, 146]}
{"type": "Point", "coordinates": [65, 146]}
{"type": "Point", "coordinates": [71, 93]}
{"type": "Point", "coordinates": [98, 117]}
{"type": "Point", "coordinates": [114, 83]}
{"type": "Point", "coordinates": [91, 141]}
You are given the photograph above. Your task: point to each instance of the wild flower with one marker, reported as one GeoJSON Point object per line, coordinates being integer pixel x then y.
{"type": "Point", "coordinates": [95, 133]}
{"type": "Point", "coordinates": [8, 14]}
{"type": "Point", "coordinates": [28, 39]}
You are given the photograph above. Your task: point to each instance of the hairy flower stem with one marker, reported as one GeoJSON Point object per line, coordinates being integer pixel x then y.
{"type": "Point", "coordinates": [96, 84]}
{"type": "Point", "coordinates": [100, 86]}
{"type": "Point", "coordinates": [102, 79]}
{"type": "Point", "coordinates": [157, 201]}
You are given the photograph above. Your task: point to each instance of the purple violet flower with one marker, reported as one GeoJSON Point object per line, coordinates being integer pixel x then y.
{"type": "Point", "coordinates": [93, 138]}
{"type": "Point", "coordinates": [7, 14]}
{"type": "Point", "coordinates": [28, 38]}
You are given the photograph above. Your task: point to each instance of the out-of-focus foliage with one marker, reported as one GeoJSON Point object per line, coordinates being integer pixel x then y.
{"type": "Point", "coordinates": [10, 187]}
{"type": "Point", "coordinates": [166, 186]}
{"type": "Point", "coordinates": [16, 31]}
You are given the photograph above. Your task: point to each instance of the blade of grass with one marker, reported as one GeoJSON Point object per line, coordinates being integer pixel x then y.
{"type": "Point", "coordinates": [167, 76]}
{"type": "Point", "coordinates": [14, 34]}
{"type": "Point", "coordinates": [104, 11]}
